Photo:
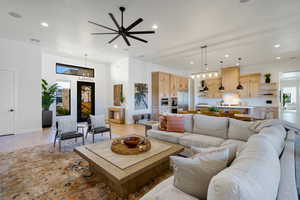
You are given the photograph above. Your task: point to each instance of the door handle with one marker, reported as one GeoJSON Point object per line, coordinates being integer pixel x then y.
{"type": "Point", "coordinates": [11, 110]}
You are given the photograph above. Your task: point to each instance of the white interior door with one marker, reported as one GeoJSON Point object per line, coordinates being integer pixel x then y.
{"type": "Point", "coordinates": [6, 102]}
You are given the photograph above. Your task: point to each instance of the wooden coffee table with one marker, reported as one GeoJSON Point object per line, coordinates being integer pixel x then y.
{"type": "Point", "coordinates": [130, 179]}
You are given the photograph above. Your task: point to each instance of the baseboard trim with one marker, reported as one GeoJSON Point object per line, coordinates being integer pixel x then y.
{"type": "Point", "coordinates": [7, 135]}
{"type": "Point", "coordinates": [29, 131]}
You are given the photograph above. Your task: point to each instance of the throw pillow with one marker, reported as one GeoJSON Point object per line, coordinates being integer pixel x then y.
{"type": "Point", "coordinates": [192, 175]}
{"type": "Point", "coordinates": [162, 122]}
{"type": "Point", "coordinates": [232, 149]}
{"type": "Point", "coordinates": [175, 124]}
{"type": "Point", "coordinates": [240, 130]}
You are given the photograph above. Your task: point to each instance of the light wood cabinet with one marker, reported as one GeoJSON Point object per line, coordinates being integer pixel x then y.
{"type": "Point", "coordinates": [251, 85]}
{"type": "Point", "coordinates": [164, 85]}
{"type": "Point", "coordinates": [230, 78]}
{"type": "Point", "coordinates": [213, 88]}
{"type": "Point", "coordinates": [173, 85]}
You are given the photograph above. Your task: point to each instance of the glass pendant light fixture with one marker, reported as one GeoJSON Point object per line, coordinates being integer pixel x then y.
{"type": "Point", "coordinates": [239, 87]}
{"type": "Point", "coordinates": [205, 63]}
{"type": "Point", "coordinates": [221, 88]}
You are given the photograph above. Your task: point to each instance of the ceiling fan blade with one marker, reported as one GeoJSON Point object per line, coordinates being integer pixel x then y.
{"type": "Point", "coordinates": [126, 40]}
{"type": "Point", "coordinates": [102, 26]}
{"type": "Point", "coordinates": [137, 38]}
{"type": "Point", "coordinates": [134, 24]}
{"type": "Point", "coordinates": [141, 32]}
{"type": "Point", "coordinates": [103, 33]}
{"type": "Point", "coordinates": [113, 39]}
{"type": "Point", "coordinates": [114, 20]}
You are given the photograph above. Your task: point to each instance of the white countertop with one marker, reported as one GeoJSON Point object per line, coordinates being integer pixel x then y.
{"type": "Point", "coordinates": [241, 107]}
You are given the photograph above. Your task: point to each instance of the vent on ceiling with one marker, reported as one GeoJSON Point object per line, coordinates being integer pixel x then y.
{"type": "Point", "coordinates": [244, 1]}
{"type": "Point", "coordinates": [15, 15]}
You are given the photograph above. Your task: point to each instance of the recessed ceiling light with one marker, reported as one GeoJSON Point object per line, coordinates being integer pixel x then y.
{"type": "Point", "coordinates": [192, 62]}
{"type": "Point", "coordinates": [226, 56]}
{"type": "Point", "coordinates": [44, 24]}
{"type": "Point", "coordinates": [277, 45]}
{"type": "Point", "coordinates": [15, 15]}
{"type": "Point", "coordinates": [154, 26]}
{"type": "Point", "coordinates": [278, 57]}
{"type": "Point", "coordinates": [115, 46]}
{"type": "Point", "coordinates": [237, 64]}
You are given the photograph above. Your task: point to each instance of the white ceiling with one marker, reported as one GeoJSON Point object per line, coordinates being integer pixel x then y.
{"type": "Point", "coordinates": [247, 30]}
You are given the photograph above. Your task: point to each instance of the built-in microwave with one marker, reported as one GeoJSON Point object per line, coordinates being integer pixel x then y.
{"type": "Point", "coordinates": [164, 102]}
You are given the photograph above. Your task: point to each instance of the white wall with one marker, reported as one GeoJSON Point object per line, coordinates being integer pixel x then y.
{"type": "Point", "coordinates": [102, 79]}
{"type": "Point", "coordinates": [136, 71]}
{"type": "Point", "coordinates": [25, 60]}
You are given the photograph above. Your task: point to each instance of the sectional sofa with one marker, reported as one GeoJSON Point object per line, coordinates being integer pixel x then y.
{"type": "Point", "coordinates": [263, 168]}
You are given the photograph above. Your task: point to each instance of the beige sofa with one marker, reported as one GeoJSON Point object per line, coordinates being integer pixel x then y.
{"type": "Point", "coordinates": [263, 167]}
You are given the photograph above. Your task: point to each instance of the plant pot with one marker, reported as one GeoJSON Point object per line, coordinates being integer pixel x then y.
{"type": "Point", "coordinates": [46, 118]}
{"type": "Point", "coordinates": [268, 80]}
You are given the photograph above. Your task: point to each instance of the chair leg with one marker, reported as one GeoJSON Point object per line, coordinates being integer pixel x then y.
{"type": "Point", "coordinates": [93, 138]}
{"type": "Point", "coordinates": [86, 135]}
{"type": "Point", "coordinates": [110, 134]}
{"type": "Point", "coordinates": [59, 145]}
{"type": "Point", "coordinates": [54, 142]}
{"type": "Point", "coordinates": [83, 139]}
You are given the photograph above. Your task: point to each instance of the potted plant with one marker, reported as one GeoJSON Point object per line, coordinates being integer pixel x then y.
{"type": "Point", "coordinates": [268, 78]}
{"type": "Point", "coordinates": [122, 100]}
{"type": "Point", "coordinates": [48, 98]}
{"type": "Point", "coordinates": [285, 98]}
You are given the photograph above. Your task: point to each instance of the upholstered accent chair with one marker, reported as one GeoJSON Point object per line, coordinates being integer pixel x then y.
{"type": "Point", "coordinates": [96, 125]}
{"type": "Point", "coordinates": [66, 129]}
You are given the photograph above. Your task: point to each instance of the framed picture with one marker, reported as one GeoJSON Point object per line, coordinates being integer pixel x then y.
{"type": "Point", "coordinates": [140, 96]}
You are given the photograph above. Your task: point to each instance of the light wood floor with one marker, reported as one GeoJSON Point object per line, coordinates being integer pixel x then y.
{"type": "Point", "coordinates": [15, 142]}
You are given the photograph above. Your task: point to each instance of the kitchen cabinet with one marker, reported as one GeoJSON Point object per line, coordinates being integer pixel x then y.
{"type": "Point", "coordinates": [173, 85]}
{"type": "Point", "coordinates": [251, 85]}
{"type": "Point", "coordinates": [182, 83]}
{"type": "Point", "coordinates": [213, 88]}
{"type": "Point", "coordinates": [230, 78]}
{"type": "Point", "coordinates": [164, 84]}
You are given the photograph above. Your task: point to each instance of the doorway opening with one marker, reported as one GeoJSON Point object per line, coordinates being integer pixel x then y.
{"type": "Point", "coordinates": [85, 100]}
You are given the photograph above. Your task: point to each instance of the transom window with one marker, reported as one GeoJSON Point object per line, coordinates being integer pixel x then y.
{"type": "Point", "coordinates": [74, 70]}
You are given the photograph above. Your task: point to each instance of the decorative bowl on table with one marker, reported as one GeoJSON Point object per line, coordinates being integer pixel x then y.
{"type": "Point", "coordinates": [132, 141]}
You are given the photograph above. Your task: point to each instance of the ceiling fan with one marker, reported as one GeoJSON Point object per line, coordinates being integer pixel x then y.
{"type": "Point", "coordinates": [121, 30]}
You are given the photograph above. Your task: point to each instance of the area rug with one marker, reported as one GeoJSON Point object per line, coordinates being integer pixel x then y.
{"type": "Point", "coordinates": [43, 173]}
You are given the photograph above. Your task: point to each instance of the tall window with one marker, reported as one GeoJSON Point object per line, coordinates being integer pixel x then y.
{"type": "Point", "coordinates": [63, 98]}
{"type": "Point", "coordinates": [74, 70]}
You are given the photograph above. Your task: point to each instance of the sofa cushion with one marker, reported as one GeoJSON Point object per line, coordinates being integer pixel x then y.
{"type": "Point", "coordinates": [275, 135]}
{"type": "Point", "coordinates": [254, 174]}
{"type": "Point", "coordinates": [166, 136]}
{"type": "Point", "coordinates": [232, 148]}
{"type": "Point", "coordinates": [200, 140]}
{"type": "Point", "coordinates": [212, 126]}
{"type": "Point", "coordinates": [192, 175]}
{"type": "Point", "coordinates": [175, 124]}
{"type": "Point", "coordinates": [239, 130]}
{"type": "Point", "coordinates": [166, 190]}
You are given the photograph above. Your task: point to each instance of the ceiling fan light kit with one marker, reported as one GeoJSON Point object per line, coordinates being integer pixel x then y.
{"type": "Point", "coordinates": [121, 31]}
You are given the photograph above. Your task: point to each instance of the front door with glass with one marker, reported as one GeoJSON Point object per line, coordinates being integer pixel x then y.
{"type": "Point", "coordinates": [85, 100]}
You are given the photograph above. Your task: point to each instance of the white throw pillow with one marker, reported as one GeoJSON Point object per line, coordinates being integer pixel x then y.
{"type": "Point", "coordinates": [192, 175]}
{"type": "Point", "coordinates": [212, 126]}
{"type": "Point", "coordinates": [240, 130]}
{"type": "Point", "coordinates": [232, 148]}
{"type": "Point", "coordinates": [97, 120]}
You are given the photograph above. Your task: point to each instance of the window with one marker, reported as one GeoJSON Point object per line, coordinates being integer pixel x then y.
{"type": "Point", "coordinates": [63, 98]}
{"type": "Point", "coordinates": [74, 70]}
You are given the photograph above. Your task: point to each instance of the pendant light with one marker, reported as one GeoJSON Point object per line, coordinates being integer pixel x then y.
{"type": "Point", "coordinates": [205, 63]}
{"type": "Point", "coordinates": [221, 88]}
{"type": "Point", "coordinates": [239, 87]}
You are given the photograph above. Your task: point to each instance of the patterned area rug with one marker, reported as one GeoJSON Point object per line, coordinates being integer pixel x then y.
{"type": "Point", "coordinates": [42, 173]}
